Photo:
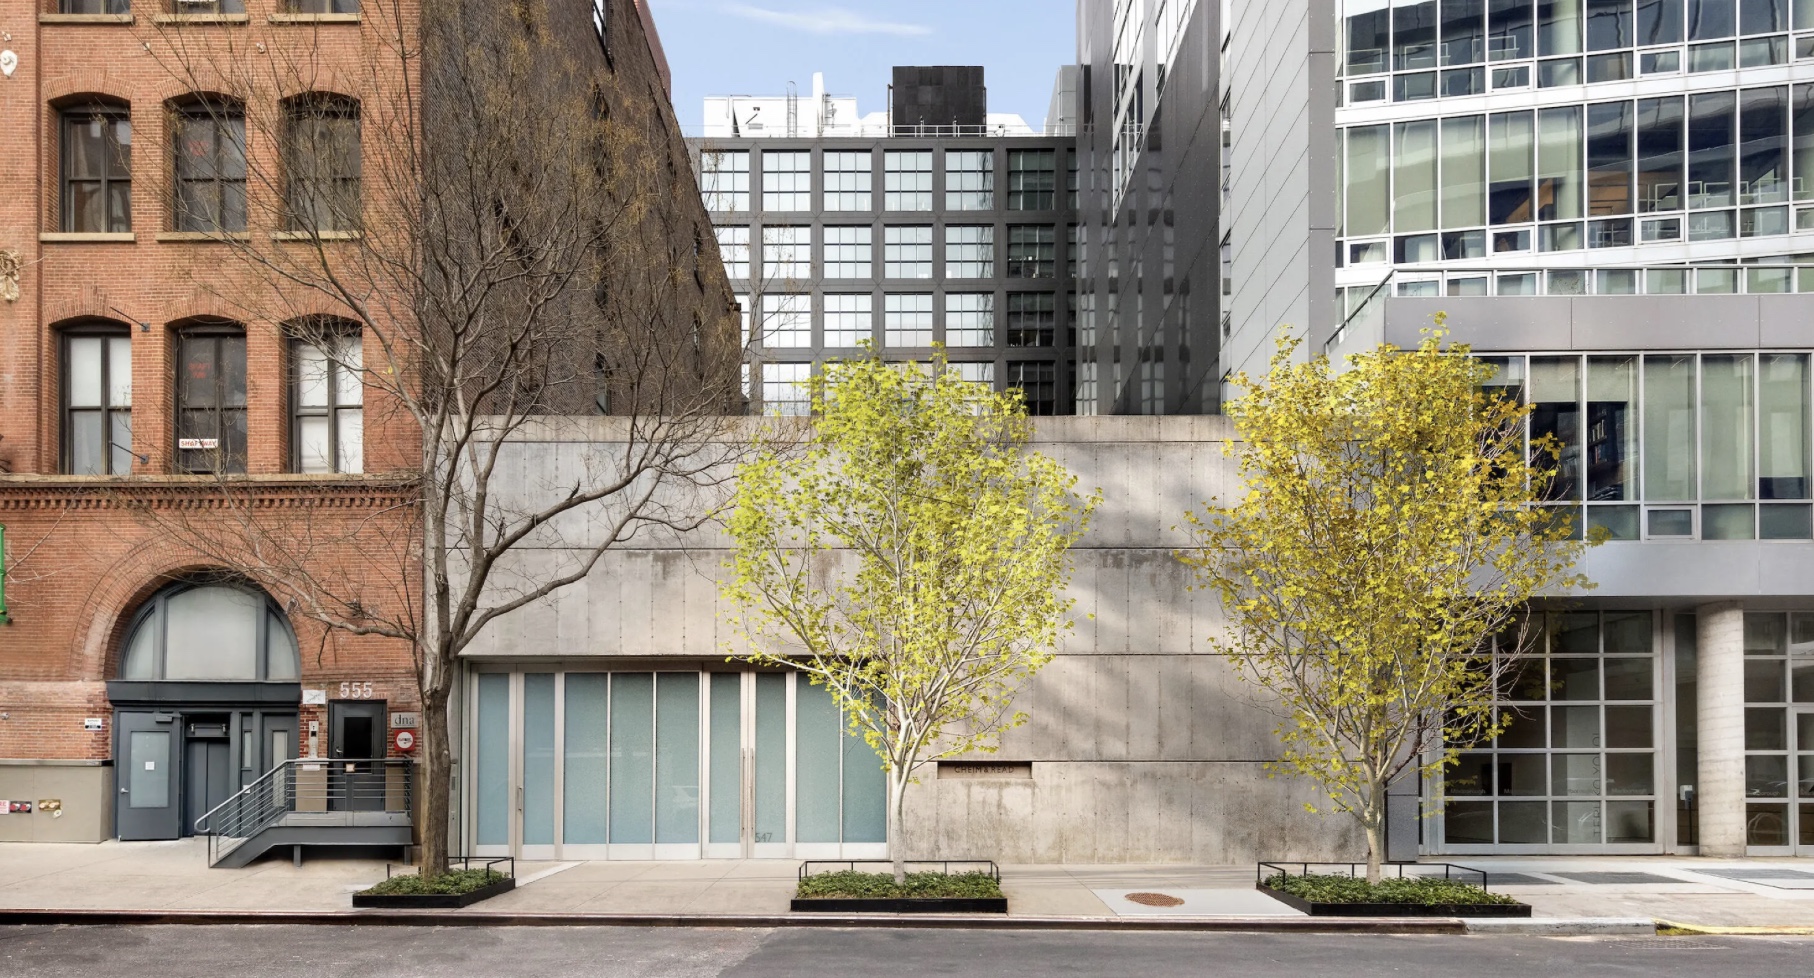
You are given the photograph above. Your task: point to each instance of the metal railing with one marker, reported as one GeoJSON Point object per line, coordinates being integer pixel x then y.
{"type": "Point", "coordinates": [1420, 871]}
{"type": "Point", "coordinates": [886, 130]}
{"type": "Point", "coordinates": [814, 867]}
{"type": "Point", "coordinates": [312, 791]}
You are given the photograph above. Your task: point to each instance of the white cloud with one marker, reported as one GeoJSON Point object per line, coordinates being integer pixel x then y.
{"type": "Point", "coordinates": [826, 20]}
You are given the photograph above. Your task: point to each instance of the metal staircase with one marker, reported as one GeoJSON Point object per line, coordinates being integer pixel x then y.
{"type": "Point", "coordinates": [313, 802]}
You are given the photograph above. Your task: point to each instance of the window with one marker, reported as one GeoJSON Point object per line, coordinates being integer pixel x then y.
{"type": "Point", "coordinates": [907, 320]}
{"type": "Point", "coordinates": [847, 181]}
{"type": "Point", "coordinates": [907, 252]}
{"type": "Point", "coordinates": [207, 6]}
{"type": "Point", "coordinates": [211, 400]}
{"type": "Point", "coordinates": [1032, 251]}
{"type": "Point", "coordinates": [1038, 385]}
{"type": "Point", "coordinates": [969, 180]}
{"type": "Point", "coordinates": [734, 251]}
{"type": "Point", "coordinates": [907, 181]}
{"type": "Point", "coordinates": [97, 170]}
{"type": "Point", "coordinates": [210, 167]}
{"type": "Point", "coordinates": [848, 320]}
{"type": "Point", "coordinates": [969, 319]}
{"type": "Point", "coordinates": [321, 164]}
{"type": "Point", "coordinates": [1031, 319]}
{"type": "Point", "coordinates": [724, 180]}
{"type": "Point", "coordinates": [787, 181]}
{"type": "Point", "coordinates": [97, 402]}
{"type": "Point", "coordinates": [969, 252]}
{"type": "Point", "coordinates": [323, 6]}
{"type": "Point", "coordinates": [94, 6]}
{"type": "Point", "coordinates": [787, 321]}
{"type": "Point", "coordinates": [1073, 252]}
{"type": "Point", "coordinates": [849, 252]}
{"type": "Point", "coordinates": [786, 388]}
{"type": "Point", "coordinates": [975, 373]}
{"type": "Point", "coordinates": [787, 252]}
{"type": "Point", "coordinates": [1032, 179]}
{"type": "Point", "coordinates": [328, 430]}
{"type": "Point", "coordinates": [210, 632]}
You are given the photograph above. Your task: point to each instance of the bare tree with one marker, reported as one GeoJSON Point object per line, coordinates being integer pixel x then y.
{"type": "Point", "coordinates": [486, 232]}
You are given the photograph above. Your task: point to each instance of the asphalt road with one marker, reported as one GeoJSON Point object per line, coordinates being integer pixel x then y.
{"type": "Point", "coordinates": [608, 952]}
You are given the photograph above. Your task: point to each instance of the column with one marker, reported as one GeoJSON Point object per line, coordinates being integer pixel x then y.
{"type": "Point", "coordinates": [1720, 674]}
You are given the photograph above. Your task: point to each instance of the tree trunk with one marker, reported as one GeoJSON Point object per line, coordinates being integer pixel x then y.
{"type": "Point", "coordinates": [1374, 821]}
{"type": "Point", "coordinates": [434, 773]}
{"type": "Point", "coordinates": [897, 795]}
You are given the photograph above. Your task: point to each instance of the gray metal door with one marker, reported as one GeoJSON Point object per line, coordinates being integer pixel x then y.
{"type": "Point", "coordinates": [148, 751]}
{"type": "Point", "coordinates": [208, 777]}
{"type": "Point", "coordinates": [356, 742]}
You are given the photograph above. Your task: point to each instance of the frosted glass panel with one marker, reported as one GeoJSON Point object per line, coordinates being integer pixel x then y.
{"type": "Point", "coordinates": [771, 757]}
{"type": "Point", "coordinates": [140, 660]}
{"type": "Point", "coordinates": [632, 758]}
{"type": "Point", "coordinates": [583, 790]}
{"type": "Point", "coordinates": [212, 633]}
{"type": "Point", "coordinates": [818, 751]}
{"type": "Point", "coordinates": [538, 759]}
{"type": "Point", "coordinates": [865, 792]}
{"type": "Point", "coordinates": [85, 371]}
{"type": "Point", "coordinates": [677, 757]}
{"type": "Point", "coordinates": [1726, 427]}
{"type": "Point", "coordinates": [493, 777]}
{"type": "Point", "coordinates": [119, 372]}
{"type": "Point", "coordinates": [727, 757]}
{"type": "Point", "coordinates": [148, 772]}
{"type": "Point", "coordinates": [280, 650]}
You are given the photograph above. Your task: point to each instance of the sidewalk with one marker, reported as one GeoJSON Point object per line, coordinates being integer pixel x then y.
{"type": "Point", "coordinates": [173, 876]}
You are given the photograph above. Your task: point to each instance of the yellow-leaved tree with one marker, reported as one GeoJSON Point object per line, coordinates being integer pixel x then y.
{"type": "Point", "coordinates": [1390, 534]}
{"type": "Point", "coordinates": [911, 557]}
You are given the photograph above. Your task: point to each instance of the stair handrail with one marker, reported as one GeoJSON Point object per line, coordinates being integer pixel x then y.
{"type": "Point", "coordinates": [252, 808]}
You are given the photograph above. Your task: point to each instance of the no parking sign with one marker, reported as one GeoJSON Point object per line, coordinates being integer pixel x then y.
{"type": "Point", "coordinates": [405, 740]}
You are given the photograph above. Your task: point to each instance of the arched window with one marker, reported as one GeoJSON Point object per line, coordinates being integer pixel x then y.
{"type": "Point", "coordinates": [209, 150]}
{"type": "Point", "coordinates": [210, 632]}
{"type": "Point", "coordinates": [95, 168]}
{"type": "Point", "coordinates": [321, 163]}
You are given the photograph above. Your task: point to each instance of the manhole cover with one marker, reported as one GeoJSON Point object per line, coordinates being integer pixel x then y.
{"type": "Point", "coordinates": [1155, 900]}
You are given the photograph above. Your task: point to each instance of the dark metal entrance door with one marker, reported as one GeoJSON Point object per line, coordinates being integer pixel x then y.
{"type": "Point", "coordinates": [356, 742]}
{"type": "Point", "coordinates": [150, 797]}
{"type": "Point", "coordinates": [208, 776]}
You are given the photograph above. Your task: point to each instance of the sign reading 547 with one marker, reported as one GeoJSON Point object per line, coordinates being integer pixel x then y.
{"type": "Point", "coordinates": [355, 691]}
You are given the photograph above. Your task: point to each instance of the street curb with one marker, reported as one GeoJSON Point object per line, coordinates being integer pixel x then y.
{"type": "Point", "coordinates": [1566, 927]}
{"type": "Point", "coordinates": [436, 918]}
{"type": "Point", "coordinates": [1670, 927]}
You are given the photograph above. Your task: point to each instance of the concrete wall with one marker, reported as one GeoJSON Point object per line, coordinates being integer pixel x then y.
{"type": "Point", "coordinates": [1144, 747]}
{"type": "Point", "coordinates": [1603, 322]}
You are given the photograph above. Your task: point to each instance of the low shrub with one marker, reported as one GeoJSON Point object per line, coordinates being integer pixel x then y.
{"type": "Point", "coordinates": [1417, 890]}
{"type": "Point", "coordinates": [457, 882]}
{"type": "Point", "coordinates": [851, 885]}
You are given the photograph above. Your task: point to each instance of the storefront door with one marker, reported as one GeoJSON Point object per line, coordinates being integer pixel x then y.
{"type": "Point", "coordinates": [151, 798]}
{"type": "Point", "coordinates": [668, 765]}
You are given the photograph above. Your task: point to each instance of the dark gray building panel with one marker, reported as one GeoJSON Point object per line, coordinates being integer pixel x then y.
{"type": "Point", "coordinates": [938, 96]}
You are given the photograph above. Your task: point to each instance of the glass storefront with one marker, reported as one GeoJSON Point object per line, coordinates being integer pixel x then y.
{"type": "Point", "coordinates": [668, 765]}
{"type": "Point", "coordinates": [1779, 732]}
{"type": "Point", "coordinates": [1576, 770]}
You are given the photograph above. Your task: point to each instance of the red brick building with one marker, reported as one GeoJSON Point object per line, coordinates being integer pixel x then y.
{"type": "Point", "coordinates": [139, 684]}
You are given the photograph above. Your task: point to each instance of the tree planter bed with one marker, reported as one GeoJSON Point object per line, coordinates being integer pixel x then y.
{"type": "Point", "coordinates": [900, 905]}
{"type": "Point", "coordinates": [1455, 881]}
{"type": "Point", "coordinates": [439, 901]}
{"type": "Point", "coordinates": [1396, 909]}
{"type": "Point", "coordinates": [843, 889]}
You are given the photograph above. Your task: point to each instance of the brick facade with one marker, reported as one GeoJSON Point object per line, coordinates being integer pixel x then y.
{"type": "Point", "coordinates": [81, 558]}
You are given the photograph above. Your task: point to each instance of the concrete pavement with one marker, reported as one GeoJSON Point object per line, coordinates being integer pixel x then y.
{"type": "Point", "coordinates": [173, 877]}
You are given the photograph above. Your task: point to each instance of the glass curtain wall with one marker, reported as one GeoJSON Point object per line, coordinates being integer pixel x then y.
{"type": "Point", "coordinates": [1576, 768]}
{"type": "Point", "coordinates": [1779, 733]}
{"type": "Point", "coordinates": [1714, 446]}
{"type": "Point", "coordinates": [1701, 167]}
{"type": "Point", "coordinates": [669, 765]}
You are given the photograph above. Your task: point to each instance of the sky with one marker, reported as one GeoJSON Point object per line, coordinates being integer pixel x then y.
{"type": "Point", "coordinates": [755, 47]}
